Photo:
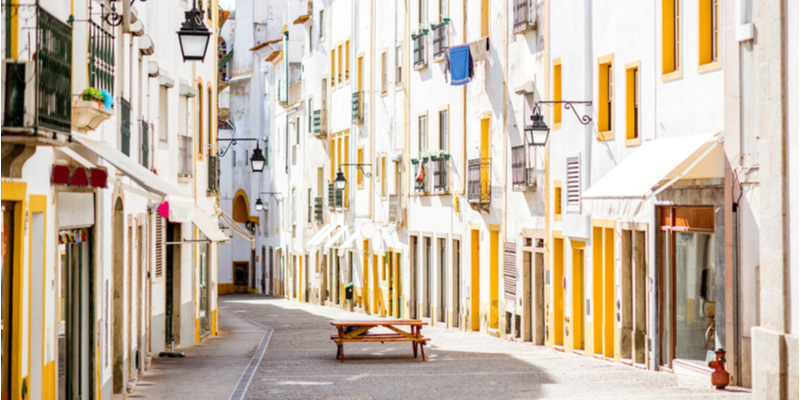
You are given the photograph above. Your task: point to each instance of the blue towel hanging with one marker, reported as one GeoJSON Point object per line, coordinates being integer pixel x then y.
{"type": "Point", "coordinates": [461, 65]}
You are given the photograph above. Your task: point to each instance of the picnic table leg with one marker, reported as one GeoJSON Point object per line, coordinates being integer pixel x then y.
{"type": "Point", "coordinates": [341, 349]}
{"type": "Point", "coordinates": [421, 344]}
{"type": "Point", "coordinates": [338, 350]}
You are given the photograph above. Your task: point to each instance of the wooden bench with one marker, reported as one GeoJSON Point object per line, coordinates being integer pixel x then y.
{"type": "Point", "coordinates": [361, 334]}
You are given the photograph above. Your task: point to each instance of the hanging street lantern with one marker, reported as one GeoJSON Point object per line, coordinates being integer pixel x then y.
{"type": "Point", "coordinates": [259, 204]}
{"type": "Point", "coordinates": [538, 131]}
{"type": "Point", "coordinates": [340, 181]}
{"type": "Point", "coordinates": [194, 35]}
{"type": "Point", "coordinates": [257, 160]}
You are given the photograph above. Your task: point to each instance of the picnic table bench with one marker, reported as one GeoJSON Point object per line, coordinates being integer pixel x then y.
{"type": "Point", "coordinates": [358, 331]}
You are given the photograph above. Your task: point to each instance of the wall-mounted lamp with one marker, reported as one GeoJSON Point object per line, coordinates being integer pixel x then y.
{"type": "Point", "coordinates": [194, 35]}
{"type": "Point", "coordinates": [341, 182]}
{"type": "Point", "coordinates": [538, 131]}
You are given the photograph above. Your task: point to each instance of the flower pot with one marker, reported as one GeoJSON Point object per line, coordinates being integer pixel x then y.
{"type": "Point", "coordinates": [88, 115]}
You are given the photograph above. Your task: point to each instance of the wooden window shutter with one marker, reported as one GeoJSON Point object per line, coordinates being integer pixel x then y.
{"type": "Point", "coordinates": [574, 184]}
{"type": "Point", "coordinates": [510, 271]}
{"type": "Point", "coordinates": [160, 245]}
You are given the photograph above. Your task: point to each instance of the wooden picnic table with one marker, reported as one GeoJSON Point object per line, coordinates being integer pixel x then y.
{"type": "Point", "coordinates": [361, 333]}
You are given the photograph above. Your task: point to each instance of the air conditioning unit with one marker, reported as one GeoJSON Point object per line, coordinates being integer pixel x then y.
{"type": "Point", "coordinates": [19, 94]}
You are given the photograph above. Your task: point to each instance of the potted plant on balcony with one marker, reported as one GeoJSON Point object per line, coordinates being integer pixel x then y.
{"type": "Point", "coordinates": [440, 154]}
{"type": "Point", "coordinates": [91, 109]}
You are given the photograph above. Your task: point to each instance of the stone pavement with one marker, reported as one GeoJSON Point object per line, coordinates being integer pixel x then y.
{"type": "Point", "coordinates": [211, 369]}
{"type": "Point", "coordinates": [299, 364]}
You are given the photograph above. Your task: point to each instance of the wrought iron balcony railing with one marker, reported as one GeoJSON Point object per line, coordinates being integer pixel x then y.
{"type": "Point", "coordinates": [213, 174]}
{"type": "Point", "coordinates": [419, 50]}
{"type": "Point", "coordinates": [439, 167]}
{"type": "Point", "coordinates": [187, 156]}
{"type": "Point", "coordinates": [479, 186]}
{"type": "Point", "coordinates": [358, 106]}
{"type": "Point", "coordinates": [318, 210]}
{"type": "Point", "coordinates": [522, 16]}
{"type": "Point", "coordinates": [38, 82]}
{"type": "Point", "coordinates": [440, 42]}
{"type": "Point", "coordinates": [144, 132]}
{"type": "Point", "coordinates": [101, 57]}
{"type": "Point", "coordinates": [320, 121]}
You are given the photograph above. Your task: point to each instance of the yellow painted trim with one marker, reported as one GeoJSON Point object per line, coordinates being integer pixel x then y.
{"type": "Point", "coordinates": [557, 125]}
{"type": "Point", "coordinates": [558, 235]}
{"type": "Point", "coordinates": [494, 227]}
{"type": "Point", "coordinates": [605, 135]}
{"type": "Point", "coordinates": [633, 142]}
{"type": "Point", "coordinates": [14, 32]}
{"type": "Point", "coordinates": [671, 76]}
{"type": "Point", "coordinates": [49, 380]}
{"type": "Point", "coordinates": [254, 219]}
{"type": "Point", "coordinates": [243, 194]}
{"type": "Point", "coordinates": [17, 191]}
{"type": "Point", "coordinates": [713, 66]}
{"type": "Point", "coordinates": [557, 208]}
{"type": "Point", "coordinates": [604, 223]}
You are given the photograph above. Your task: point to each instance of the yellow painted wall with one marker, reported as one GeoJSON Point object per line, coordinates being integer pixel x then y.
{"type": "Point", "coordinates": [225, 288]}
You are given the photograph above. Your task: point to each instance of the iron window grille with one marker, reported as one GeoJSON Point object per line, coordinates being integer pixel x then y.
{"type": "Point", "coordinates": [185, 167]}
{"type": "Point", "coordinates": [419, 50]}
{"type": "Point", "coordinates": [522, 16]}
{"type": "Point", "coordinates": [331, 196]}
{"type": "Point", "coordinates": [318, 210]}
{"type": "Point", "coordinates": [320, 122]}
{"type": "Point", "coordinates": [358, 107]}
{"type": "Point", "coordinates": [213, 174]}
{"type": "Point", "coordinates": [125, 127]}
{"type": "Point", "coordinates": [101, 57]}
{"type": "Point", "coordinates": [439, 172]}
{"type": "Point", "coordinates": [440, 42]}
{"type": "Point", "coordinates": [144, 132]}
{"type": "Point", "coordinates": [518, 170]}
{"type": "Point", "coordinates": [394, 208]}
{"type": "Point", "coordinates": [479, 189]}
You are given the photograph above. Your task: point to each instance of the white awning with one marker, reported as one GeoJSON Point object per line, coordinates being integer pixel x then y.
{"type": "Point", "coordinates": [657, 165]}
{"type": "Point", "coordinates": [181, 206]}
{"type": "Point", "coordinates": [238, 229]}
{"type": "Point", "coordinates": [206, 225]}
{"type": "Point", "coordinates": [349, 242]}
{"type": "Point", "coordinates": [333, 239]}
{"type": "Point", "coordinates": [317, 239]}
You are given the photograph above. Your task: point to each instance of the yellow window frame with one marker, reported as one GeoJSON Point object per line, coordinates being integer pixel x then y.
{"type": "Point", "coordinates": [633, 95]}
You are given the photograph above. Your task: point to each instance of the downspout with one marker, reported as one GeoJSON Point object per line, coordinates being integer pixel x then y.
{"type": "Point", "coordinates": [655, 341]}
{"type": "Point", "coordinates": [504, 213]}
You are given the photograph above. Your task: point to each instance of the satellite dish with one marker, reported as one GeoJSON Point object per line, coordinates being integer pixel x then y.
{"type": "Point", "coordinates": [368, 230]}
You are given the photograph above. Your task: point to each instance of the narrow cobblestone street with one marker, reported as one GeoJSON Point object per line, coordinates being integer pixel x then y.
{"type": "Point", "coordinates": [299, 364]}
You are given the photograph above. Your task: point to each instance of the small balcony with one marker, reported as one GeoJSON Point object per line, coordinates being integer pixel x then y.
{"type": "Point", "coordinates": [318, 204]}
{"type": "Point", "coordinates": [439, 168]}
{"type": "Point", "coordinates": [38, 84]}
{"type": "Point", "coordinates": [320, 122]}
{"type": "Point", "coordinates": [440, 40]}
{"type": "Point", "coordinates": [101, 58]}
{"type": "Point", "coordinates": [523, 18]}
{"type": "Point", "coordinates": [522, 168]}
{"type": "Point", "coordinates": [186, 156]}
{"type": "Point", "coordinates": [419, 50]}
{"type": "Point", "coordinates": [479, 185]}
{"type": "Point", "coordinates": [358, 106]}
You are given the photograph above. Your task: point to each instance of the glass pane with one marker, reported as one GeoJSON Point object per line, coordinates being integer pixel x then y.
{"type": "Point", "coordinates": [694, 296]}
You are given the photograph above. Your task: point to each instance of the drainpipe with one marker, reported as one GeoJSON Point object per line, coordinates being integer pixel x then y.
{"type": "Point", "coordinates": [655, 339]}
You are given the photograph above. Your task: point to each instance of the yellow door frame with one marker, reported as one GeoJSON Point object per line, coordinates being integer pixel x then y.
{"type": "Point", "coordinates": [475, 300]}
{"type": "Point", "coordinates": [16, 192]}
{"type": "Point", "coordinates": [494, 276]}
{"type": "Point", "coordinates": [557, 332]}
{"type": "Point", "coordinates": [578, 296]}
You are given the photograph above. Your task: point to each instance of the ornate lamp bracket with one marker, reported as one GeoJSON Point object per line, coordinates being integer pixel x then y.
{"type": "Point", "coordinates": [367, 174]}
{"type": "Point", "coordinates": [570, 105]}
{"type": "Point", "coordinates": [233, 141]}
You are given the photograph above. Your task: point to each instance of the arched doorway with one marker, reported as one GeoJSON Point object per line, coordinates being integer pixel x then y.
{"type": "Point", "coordinates": [118, 224]}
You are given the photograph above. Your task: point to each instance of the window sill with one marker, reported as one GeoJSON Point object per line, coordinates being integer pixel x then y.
{"type": "Point", "coordinates": [420, 66]}
{"type": "Point", "coordinates": [671, 76]}
{"type": "Point", "coordinates": [398, 87]}
{"type": "Point", "coordinates": [557, 217]}
{"type": "Point", "coordinates": [712, 66]}
{"type": "Point", "coordinates": [384, 93]}
{"type": "Point", "coordinates": [557, 126]}
{"type": "Point", "coordinates": [200, 157]}
{"type": "Point", "coordinates": [633, 142]}
{"type": "Point", "coordinates": [163, 145]}
{"type": "Point", "coordinates": [439, 58]}
{"type": "Point", "coordinates": [605, 135]}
